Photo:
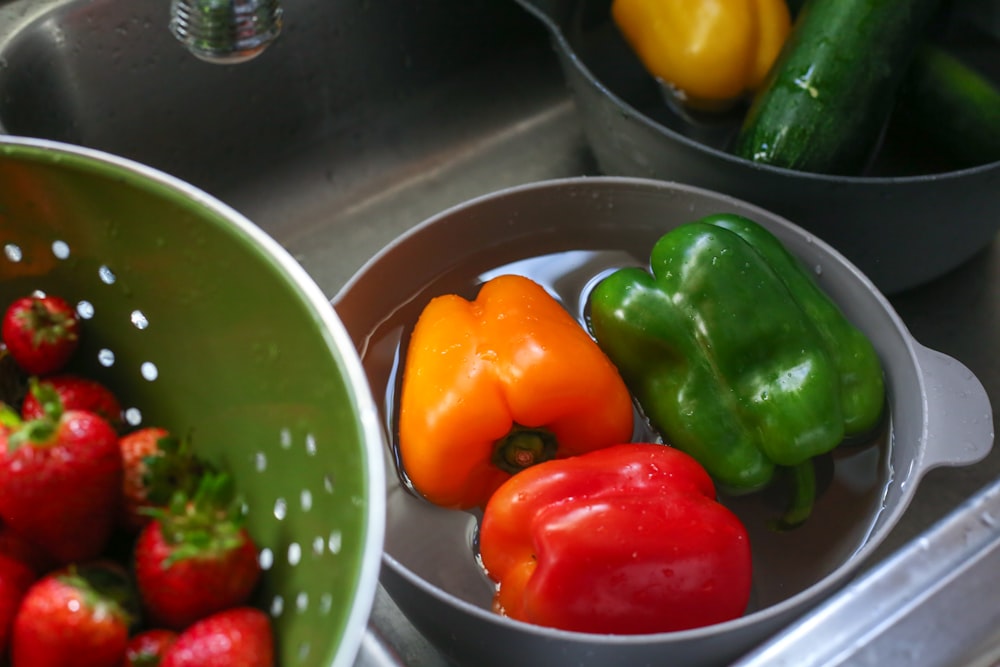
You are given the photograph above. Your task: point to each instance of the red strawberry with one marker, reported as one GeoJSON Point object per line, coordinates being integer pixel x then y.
{"type": "Point", "coordinates": [75, 393]}
{"type": "Point", "coordinates": [16, 577]}
{"type": "Point", "coordinates": [147, 648]}
{"type": "Point", "coordinates": [157, 465]}
{"type": "Point", "coordinates": [196, 558]}
{"type": "Point", "coordinates": [41, 333]}
{"type": "Point", "coordinates": [61, 478]}
{"type": "Point", "coordinates": [77, 616]}
{"type": "Point", "coordinates": [237, 637]}
{"type": "Point", "coordinates": [13, 545]}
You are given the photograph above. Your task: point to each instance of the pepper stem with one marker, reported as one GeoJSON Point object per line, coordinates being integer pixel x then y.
{"type": "Point", "coordinates": [803, 483]}
{"type": "Point", "coordinates": [524, 447]}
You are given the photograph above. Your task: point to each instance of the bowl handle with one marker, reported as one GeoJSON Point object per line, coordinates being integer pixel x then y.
{"type": "Point", "coordinates": [959, 416]}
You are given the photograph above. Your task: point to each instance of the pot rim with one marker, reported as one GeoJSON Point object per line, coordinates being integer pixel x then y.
{"type": "Point", "coordinates": [566, 49]}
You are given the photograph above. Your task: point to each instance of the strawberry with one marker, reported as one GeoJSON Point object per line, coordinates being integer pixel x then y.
{"type": "Point", "coordinates": [14, 546]}
{"type": "Point", "coordinates": [147, 648]}
{"type": "Point", "coordinates": [41, 333]}
{"type": "Point", "coordinates": [79, 616]}
{"type": "Point", "coordinates": [75, 393]}
{"type": "Point", "coordinates": [157, 465]}
{"type": "Point", "coordinates": [197, 557]}
{"type": "Point", "coordinates": [237, 637]}
{"type": "Point", "coordinates": [61, 478]}
{"type": "Point", "coordinates": [16, 577]}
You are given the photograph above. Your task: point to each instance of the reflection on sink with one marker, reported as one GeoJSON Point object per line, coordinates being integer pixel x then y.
{"type": "Point", "coordinates": [361, 119]}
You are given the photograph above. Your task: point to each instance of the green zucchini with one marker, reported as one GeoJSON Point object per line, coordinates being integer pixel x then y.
{"type": "Point", "coordinates": [832, 88]}
{"type": "Point", "coordinates": [950, 107]}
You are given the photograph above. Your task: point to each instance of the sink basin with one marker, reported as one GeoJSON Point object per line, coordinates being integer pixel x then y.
{"type": "Point", "coordinates": [363, 119]}
{"type": "Point", "coordinates": [358, 107]}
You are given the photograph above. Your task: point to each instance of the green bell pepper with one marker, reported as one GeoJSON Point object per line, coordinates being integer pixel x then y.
{"type": "Point", "coordinates": [736, 355]}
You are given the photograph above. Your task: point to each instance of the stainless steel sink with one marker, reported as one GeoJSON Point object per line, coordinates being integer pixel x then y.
{"type": "Point", "coordinates": [362, 119]}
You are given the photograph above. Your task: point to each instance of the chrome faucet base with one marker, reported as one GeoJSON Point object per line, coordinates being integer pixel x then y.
{"type": "Point", "coordinates": [225, 31]}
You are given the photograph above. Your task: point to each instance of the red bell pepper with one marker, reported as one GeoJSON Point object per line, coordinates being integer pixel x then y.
{"type": "Point", "coordinates": [624, 540]}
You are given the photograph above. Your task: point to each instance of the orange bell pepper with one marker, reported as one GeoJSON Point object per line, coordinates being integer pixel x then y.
{"type": "Point", "coordinates": [498, 384]}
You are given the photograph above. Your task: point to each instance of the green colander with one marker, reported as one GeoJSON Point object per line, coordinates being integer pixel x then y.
{"type": "Point", "coordinates": [203, 324]}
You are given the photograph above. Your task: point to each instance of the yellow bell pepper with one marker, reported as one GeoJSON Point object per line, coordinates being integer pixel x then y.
{"type": "Point", "coordinates": [711, 52]}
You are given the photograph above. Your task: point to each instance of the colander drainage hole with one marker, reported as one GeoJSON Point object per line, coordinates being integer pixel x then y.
{"type": "Point", "coordinates": [303, 651]}
{"type": "Point", "coordinates": [106, 275]}
{"type": "Point", "coordinates": [60, 249]}
{"type": "Point", "coordinates": [13, 252]}
{"type": "Point", "coordinates": [149, 370]}
{"type": "Point", "coordinates": [133, 416]}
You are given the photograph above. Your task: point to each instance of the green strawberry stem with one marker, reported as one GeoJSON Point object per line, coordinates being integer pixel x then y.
{"type": "Point", "coordinates": [105, 587]}
{"type": "Point", "coordinates": [210, 521]}
{"type": "Point", "coordinates": [9, 417]}
{"type": "Point", "coordinates": [47, 326]}
{"type": "Point", "coordinates": [175, 467]}
{"type": "Point", "coordinates": [37, 432]}
{"type": "Point", "coordinates": [40, 431]}
{"type": "Point", "coordinates": [47, 397]}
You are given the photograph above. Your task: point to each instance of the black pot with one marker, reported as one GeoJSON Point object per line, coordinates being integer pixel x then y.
{"type": "Point", "coordinates": [899, 227]}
